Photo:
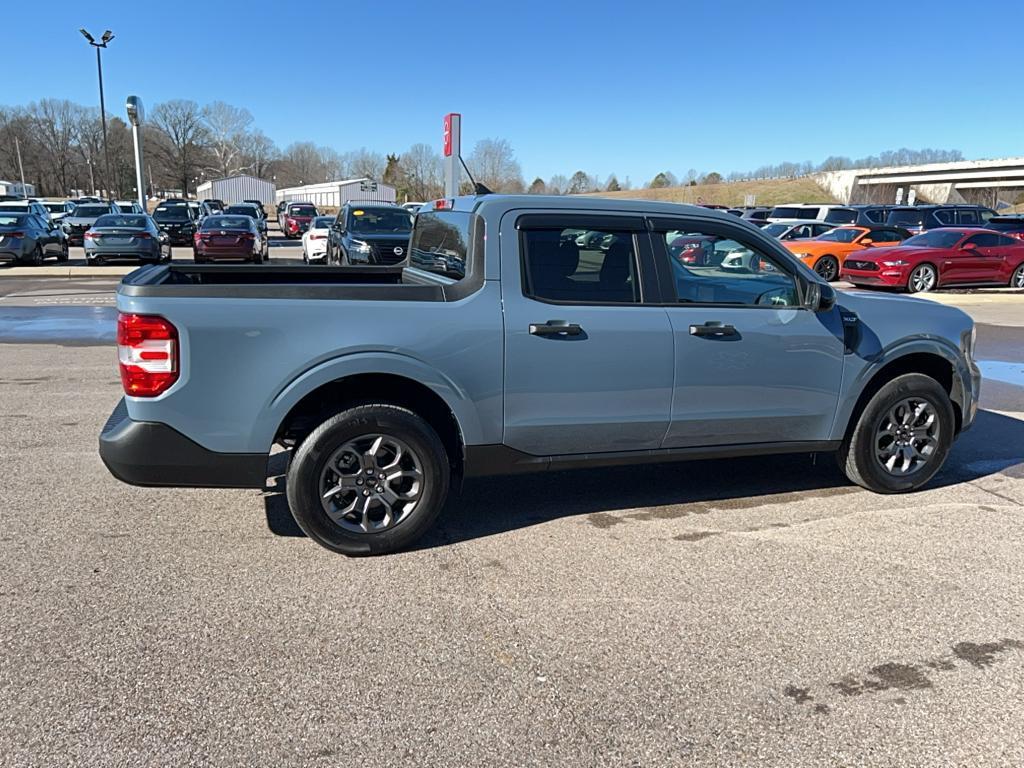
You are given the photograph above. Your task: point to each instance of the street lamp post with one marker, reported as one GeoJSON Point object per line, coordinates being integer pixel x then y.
{"type": "Point", "coordinates": [136, 114]}
{"type": "Point", "coordinates": [106, 38]}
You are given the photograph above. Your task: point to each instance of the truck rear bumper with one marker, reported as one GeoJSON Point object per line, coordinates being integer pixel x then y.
{"type": "Point", "coordinates": [150, 453]}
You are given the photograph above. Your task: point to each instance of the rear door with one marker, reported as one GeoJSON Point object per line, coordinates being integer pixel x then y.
{"type": "Point", "coordinates": [588, 364]}
{"type": "Point", "coordinates": [751, 364]}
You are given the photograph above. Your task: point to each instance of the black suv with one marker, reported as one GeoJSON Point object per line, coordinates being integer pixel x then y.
{"type": "Point", "coordinates": [370, 233]}
{"type": "Point", "coordinates": [177, 219]}
{"type": "Point", "coordinates": [922, 217]}
{"type": "Point", "coordinates": [859, 215]}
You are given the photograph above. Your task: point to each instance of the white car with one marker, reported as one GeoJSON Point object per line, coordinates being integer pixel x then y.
{"type": "Point", "coordinates": [129, 206]}
{"type": "Point", "coordinates": [314, 240]}
{"type": "Point", "coordinates": [58, 209]}
{"type": "Point", "coordinates": [807, 211]}
{"type": "Point", "coordinates": [413, 207]}
{"type": "Point", "coordinates": [796, 229]}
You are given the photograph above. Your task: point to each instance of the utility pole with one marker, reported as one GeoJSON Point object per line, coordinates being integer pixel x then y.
{"type": "Point", "coordinates": [106, 38]}
{"type": "Point", "coordinates": [21, 169]}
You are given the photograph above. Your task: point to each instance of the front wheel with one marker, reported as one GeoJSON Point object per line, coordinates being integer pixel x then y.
{"type": "Point", "coordinates": [1017, 278]}
{"type": "Point", "coordinates": [922, 278]}
{"type": "Point", "coordinates": [902, 436]}
{"type": "Point", "coordinates": [828, 268]}
{"type": "Point", "coordinates": [370, 480]}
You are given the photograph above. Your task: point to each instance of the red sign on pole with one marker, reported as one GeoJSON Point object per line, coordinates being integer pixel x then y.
{"type": "Point", "coordinates": [448, 133]}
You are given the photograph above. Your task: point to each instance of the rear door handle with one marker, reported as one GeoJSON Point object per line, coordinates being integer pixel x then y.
{"type": "Point", "coordinates": [713, 328]}
{"type": "Point", "coordinates": [555, 328]}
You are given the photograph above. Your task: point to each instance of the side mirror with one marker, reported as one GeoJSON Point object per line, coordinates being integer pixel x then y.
{"type": "Point", "coordinates": [819, 297]}
{"type": "Point", "coordinates": [867, 241]}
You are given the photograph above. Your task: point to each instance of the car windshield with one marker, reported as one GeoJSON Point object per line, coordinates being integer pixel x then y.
{"type": "Point", "coordinates": [54, 207]}
{"type": "Point", "coordinates": [15, 207]}
{"type": "Point", "coordinates": [88, 211]}
{"type": "Point", "coordinates": [841, 235]}
{"type": "Point", "coordinates": [302, 210]}
{"type": "Point", "coordinates": [934, 239]}
{"type": "Point", "coordinates": [171, 213]}
{"type": "Point", "coordinates": [7, 220]}
{"type": "Point", "coordinates": [906, 218]}
{"type": "Point", "coordinates": [242, 210]}
{"type": "Point", "coordinates": [228, 222]}
{"type": "Point", "coordinates": [120, 220]}
{"type": "Point", "coordinates": [841, 216]}
{"type": "Point", "coordinates": [323, 222]}
{"type": "Point", "coordinates": [774, 230]}
{"type": "Point", "coordinates": [379, 220]}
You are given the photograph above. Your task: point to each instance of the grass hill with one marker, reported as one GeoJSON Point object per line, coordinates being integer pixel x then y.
{"type": "Point", "coordinates": [767, 192]}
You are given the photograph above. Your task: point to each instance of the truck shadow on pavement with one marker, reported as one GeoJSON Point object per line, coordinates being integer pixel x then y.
{"type": "Point", "coordinates": [489, 506]}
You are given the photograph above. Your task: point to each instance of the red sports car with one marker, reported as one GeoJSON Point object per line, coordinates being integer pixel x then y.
{"type": "Point", "coordinates": [939, 258]}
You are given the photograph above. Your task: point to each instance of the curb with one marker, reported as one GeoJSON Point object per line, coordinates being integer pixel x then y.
{"type": "Point", "coordinates": [66, 272]}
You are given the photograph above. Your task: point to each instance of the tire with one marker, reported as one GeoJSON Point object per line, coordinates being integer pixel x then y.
{"type": "Point", "coordinates": [64, 253]}
{"type": "Point", "coordinates": [922, 279]}
{"type": "Point", "coordinates": [35, 258]}
{"type": "Point", "coordinates": [827, 267]}
{"type": "Point", "coordinates": [861, 454]}
{"type": "Point", "coordinates": [344, 437]}
{"type": "Point", "coordinates": [1017, 278]}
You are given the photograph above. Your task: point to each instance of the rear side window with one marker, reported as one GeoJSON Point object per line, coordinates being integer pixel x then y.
{"type": "Point", "coordinates": [841, 216]}
{"type": "Point", "coordinates": [877, 215]}
{"type": "Point", "coordinates": [969, 217]}
{"type": "Point", "coordinates": [945, 217]}
{"type": "Point", "coordinates": [786, 212]}
{"type": "Point", "coordinates": [905, 218]}
{"type": "Point", "coordinates": [441, 241]}
{"type": "Point", "coordinates": [580, 266]}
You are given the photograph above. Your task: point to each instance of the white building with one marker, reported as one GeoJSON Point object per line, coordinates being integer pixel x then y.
{"type": "Point", "coordinates": [334, 194]}
{"type": "Point", "coordinates": [235, 189]}
{"type": "Point", "coordinates": [15, 188]}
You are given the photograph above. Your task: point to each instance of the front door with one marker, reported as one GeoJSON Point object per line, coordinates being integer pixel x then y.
{"type": "Point", "coordinates": [751, 364]}
{"type": "Point", "coordinates": [588, 367]}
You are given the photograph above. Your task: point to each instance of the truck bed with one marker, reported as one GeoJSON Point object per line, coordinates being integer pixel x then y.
{"type": "Point", "coordinates": [281, 282]}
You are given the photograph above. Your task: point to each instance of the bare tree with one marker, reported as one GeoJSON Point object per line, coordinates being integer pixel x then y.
{"type": "Point", "coordinates": [362, 163]}
{"type": "Point", "coordinates": [580, 182]}
{"type": "Point", "coordinates": [494, 164]}
{"type": "Point", "coordinates": [558, 184]}
{"type": "Point", "coordinates": [227, 128]}
{"type": "Point", "coordinates": [55, 125]}
{"type": "Point", "coordinates": [258, 152]}
{"type": "Point", "coordinates": [423, 172]}
{"type": "Point", "coordinates": [181, 138]}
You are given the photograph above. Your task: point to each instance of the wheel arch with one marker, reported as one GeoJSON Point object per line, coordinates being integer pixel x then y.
{"type": "Point", "coordinates": [935, 361]}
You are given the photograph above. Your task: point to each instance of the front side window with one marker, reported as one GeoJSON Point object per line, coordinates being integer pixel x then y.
{"type": "Point", "coordinates": [945, 217]}
{"type": "Point", "coordinates": [726, 271]}
{"type": "Point", "coordinates": [580, 266]}
{"type": "Point", "coordinates": [985, 240]}
{"type": "Point", "coordinates": [841, 235]}
{"type": "Point", "coordinates": [906, 218]}
{"type": "Point", "coordinates": [876, 215]}
{"type": "Point", "coordinates": [969, 217]}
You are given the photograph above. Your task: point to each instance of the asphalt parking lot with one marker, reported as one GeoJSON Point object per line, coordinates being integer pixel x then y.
{"type": "Point", "coordinates": [745, 612]}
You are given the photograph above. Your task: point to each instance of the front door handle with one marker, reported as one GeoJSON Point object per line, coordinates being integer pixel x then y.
{"type": "Point", "coordinates": [555, 328]}
{"type": "Point", "coordinates": [714, 329]}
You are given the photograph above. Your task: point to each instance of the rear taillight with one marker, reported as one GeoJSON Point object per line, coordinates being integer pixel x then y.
{"type": "Point", "coordinates": [291, 223]}
{"type": "Point", "coordinates": [143, 235]}
{"type": "Point", "coordinates": [318, 237]}
{"type": "Point", "coordinates": [12, 234]}
{"type": "Point", "coordinates": [198, 237]}
{"type": "Point", "coordinates": [246, 236]}
{"type": "Point", "coordinates": [90, 235]}
{"type": "Point", "coordinates": [147, 352]}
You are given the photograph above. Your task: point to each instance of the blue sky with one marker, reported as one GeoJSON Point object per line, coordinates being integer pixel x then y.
{"type": "Point", "coordinates": [630, 88]}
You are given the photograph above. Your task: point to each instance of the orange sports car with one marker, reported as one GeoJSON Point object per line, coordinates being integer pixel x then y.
{"type": "Point", "coordinates": [826, 253]}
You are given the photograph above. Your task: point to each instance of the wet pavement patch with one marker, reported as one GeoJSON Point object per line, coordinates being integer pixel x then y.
{"type": "Point", "coordinates": [77, 326]}
{"type": "Point", "coordinates": [984, 654]}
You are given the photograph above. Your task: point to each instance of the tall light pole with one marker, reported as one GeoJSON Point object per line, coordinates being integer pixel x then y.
{"type": "Point", "coordinates": [106, 38]}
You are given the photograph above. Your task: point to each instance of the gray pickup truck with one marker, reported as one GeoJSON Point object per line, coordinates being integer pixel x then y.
{"type": "Point", "coordinates": [514, 348]}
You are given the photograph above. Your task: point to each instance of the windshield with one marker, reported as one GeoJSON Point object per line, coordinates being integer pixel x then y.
{"type": "Point", "coordinates": [841, 235]}
{"type": "Point", "coordinates": [323, 222]}
{"type": "Point", "coordinates": [906, 218]}
{"type": "Point", "coordinates": [228, 222]}
{"type": "Point", "coordinates": [775, 230]}
{"type": "Point", "coordinates": [120, 220]}
{"type": "Point", "coordinates": [89, 211]}
{"type": "Point", "coordinates": [841, 216]}
{"type": "Point", "coordinates": [934, 239]}
{"type": "Point", "coordinates": [15, 207]}
{"type": "Point", "coordinates": [7, 220]}
{"type": "Point", "coordinates": [54, 207]}
{"type": "Point", "coordinates": [379, 220]}
{"type": "Point", "coordinates": [440, 242]}
{"type": "Point", "coordinates": [171, 213]}
{"type": "Point", "coordinates": [302, 210]}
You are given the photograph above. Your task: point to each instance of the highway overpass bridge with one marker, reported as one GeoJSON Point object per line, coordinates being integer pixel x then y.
{"type": "Point", "coordinates": [965, 181]}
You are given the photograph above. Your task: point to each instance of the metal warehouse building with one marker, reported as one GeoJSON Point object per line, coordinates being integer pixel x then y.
{"type": "Point", "coordinates": [235, 189]}
{"type": "Point", "coordinates": [334, 194]}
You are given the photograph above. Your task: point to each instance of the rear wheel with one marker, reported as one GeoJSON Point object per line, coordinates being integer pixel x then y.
{"type": "Point", "coordinates": [35, 258]}
{"type": "Point", "coordinates": [902, 436]}
{"type": "Point", "coordinates": [370, 480]}
{"type": "Point", "coordinates": [828, 268]}
{"type": "Point", "coordinates": [1017, 278]}
{"type": "Point", "coordinates": [64, 252]}
{"type": "Point", "coordinates": [922, 278]}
